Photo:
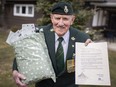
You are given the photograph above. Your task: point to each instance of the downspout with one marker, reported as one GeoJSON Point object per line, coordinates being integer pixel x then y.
{"type": "Point", "coordinates": [3, 13]}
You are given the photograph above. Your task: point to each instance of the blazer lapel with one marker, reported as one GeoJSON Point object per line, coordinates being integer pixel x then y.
{"type": "Point", "coordinates": [71, 46]}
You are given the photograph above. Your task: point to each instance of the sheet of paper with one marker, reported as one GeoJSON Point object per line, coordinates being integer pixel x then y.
{"type": "Point", "coordinates": [9, 37]}
{"type": "Point", "coordinates": [27, 29]}
{"type": "Point", "coordinates": [91, 64]}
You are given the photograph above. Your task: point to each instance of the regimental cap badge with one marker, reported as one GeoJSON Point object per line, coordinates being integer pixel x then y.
{"type": "Point", "coordinates": [65, 9]}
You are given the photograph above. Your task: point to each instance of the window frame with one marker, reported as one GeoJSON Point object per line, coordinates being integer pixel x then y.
{"type": "Point", "coordinates": [26, 14]}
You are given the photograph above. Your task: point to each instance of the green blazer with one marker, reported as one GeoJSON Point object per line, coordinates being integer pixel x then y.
{"type": "Point", "coordinates": [65, 79]}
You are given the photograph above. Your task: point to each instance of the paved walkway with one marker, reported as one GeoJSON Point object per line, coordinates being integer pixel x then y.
{"type": "Point", "coordinates": [112, 45]}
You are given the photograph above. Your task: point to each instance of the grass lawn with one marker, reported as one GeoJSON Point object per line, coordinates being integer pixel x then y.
{"type": "Point", "coordinates": [7, 55]}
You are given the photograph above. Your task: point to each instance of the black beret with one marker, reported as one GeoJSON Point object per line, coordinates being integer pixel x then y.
{"type": "Point", "coordinates": [62, 8]}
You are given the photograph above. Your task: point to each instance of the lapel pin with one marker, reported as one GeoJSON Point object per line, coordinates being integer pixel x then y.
{"type": "Point", "coordinates": [72, 38]}
{"type": "Point", "coordinates": [51, 30]}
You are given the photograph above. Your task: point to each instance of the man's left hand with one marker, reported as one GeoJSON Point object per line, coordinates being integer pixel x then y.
{"type": "Point", "coordinates": [88, 41]}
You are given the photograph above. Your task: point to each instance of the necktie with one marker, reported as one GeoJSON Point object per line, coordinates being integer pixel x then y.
{"type": "Point", "coordinates": [60, 56]}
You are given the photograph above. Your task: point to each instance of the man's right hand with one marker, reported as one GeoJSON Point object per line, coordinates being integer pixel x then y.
{"type": "Point", "coordinates": [18, 77]}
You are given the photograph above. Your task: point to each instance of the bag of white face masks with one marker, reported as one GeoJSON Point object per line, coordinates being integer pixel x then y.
{"type": "Point", "coordinates": [32, 58]}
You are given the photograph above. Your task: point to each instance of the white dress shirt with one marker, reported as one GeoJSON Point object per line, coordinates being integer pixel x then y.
{"type": "Point", "coordinates": [65, 43]}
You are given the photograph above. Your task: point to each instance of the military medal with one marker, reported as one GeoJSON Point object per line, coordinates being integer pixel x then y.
{"type": "Point", "coordinates": [70, 65]}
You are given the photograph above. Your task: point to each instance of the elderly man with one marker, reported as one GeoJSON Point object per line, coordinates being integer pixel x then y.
{"type": "Point", "coordinates": [59, 35]}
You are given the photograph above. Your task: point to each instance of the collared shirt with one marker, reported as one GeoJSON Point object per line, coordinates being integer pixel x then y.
{"type": "Point", "coordinates": [64, 43]}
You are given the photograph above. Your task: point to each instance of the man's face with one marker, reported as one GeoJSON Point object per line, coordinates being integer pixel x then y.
{"type": "Point", "coordinates": [61, 23]}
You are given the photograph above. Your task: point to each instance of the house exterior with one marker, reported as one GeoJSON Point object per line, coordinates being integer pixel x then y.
{"type": "Point", "coordinates": [17, 12]}
{"type": "Point", "coordinates": [104, 15]}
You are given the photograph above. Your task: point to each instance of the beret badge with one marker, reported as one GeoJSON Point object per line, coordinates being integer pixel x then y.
{"type": "Point", "coordinates": [65, 9]}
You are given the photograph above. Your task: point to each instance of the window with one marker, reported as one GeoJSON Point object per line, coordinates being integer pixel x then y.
{"type": "Point", "coordinates": [26, 10]}
{"type": "Point", "coordinates": [99, 18]}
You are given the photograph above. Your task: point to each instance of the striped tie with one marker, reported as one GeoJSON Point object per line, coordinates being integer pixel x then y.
{"type": "Point", "coordinates": [60, 56]}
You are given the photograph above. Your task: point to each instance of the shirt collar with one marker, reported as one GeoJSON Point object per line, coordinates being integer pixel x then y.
{"type": "Point", "coordinates": [65, 37]}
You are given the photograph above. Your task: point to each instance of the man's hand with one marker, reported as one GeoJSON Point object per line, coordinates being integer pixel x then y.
{"type": "Point", "coordinates": [18, 77]}
{"type": "Point", "coordinates": [88, 41]}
